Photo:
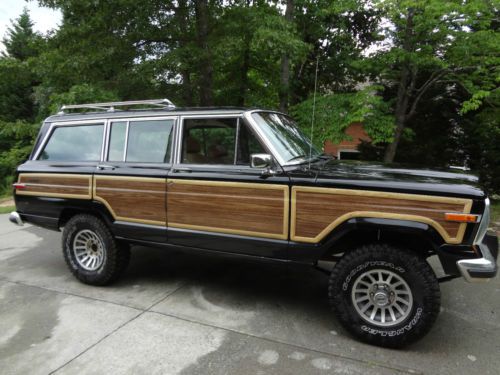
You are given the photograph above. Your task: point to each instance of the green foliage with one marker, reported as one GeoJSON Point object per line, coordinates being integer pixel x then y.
{"type": "Point", "coordinates": [16, 140]}
{"type": "Point", "coordinates": [247, 59]}
{"type": "Point", "coordinates": [437, 75]}
{"type": "Point", "coordinates": [16, 90]}
{"type": "Point", "coordinates": [20, 41]}
{"type": "Point", "coordinates": [482, 132]}
{"type": "Point", "coordinates": [495, 211]}
{"type": "Point", "coordinates": [433, 42]}
{"type": "Point", "coordinates": [17, 80]}
{"type": "Point", "coordinates": [6, 209]}
{"type": "Point", "coordinates": [80, 94]}
{"type": "Point", "coordinates": [335, 112]}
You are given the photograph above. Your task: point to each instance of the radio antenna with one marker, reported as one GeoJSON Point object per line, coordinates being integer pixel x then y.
{"type": "Point", "coordinates": [313, 111]}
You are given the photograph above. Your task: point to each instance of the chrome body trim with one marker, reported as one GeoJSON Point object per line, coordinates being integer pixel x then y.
{"type": "Point", "coordinates": [485, 264]}
{"type": "Point", "coordinates": [485, 222]}
{"type": "Point", "coordinates": [125, 143]}
{"type": "Point", "coordinates": [104, 149]}
{"type": "Point", "coordinates": [262, 137]}
{"type": "Point", "coordinates": [15, 218]}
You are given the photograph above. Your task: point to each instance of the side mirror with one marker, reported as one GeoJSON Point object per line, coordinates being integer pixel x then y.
{"type": "Point", "coordinates": [260, 160]}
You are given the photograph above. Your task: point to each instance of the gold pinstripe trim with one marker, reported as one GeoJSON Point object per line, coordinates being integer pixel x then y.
{"type": "Point", "coordinates": [286, 206]}
{"type": "Point", "coordinates": [467, 203]}
{"type": "Point", "coordinates": [127, 178]}
{"type": "Point", "coordinates": [87, 195]}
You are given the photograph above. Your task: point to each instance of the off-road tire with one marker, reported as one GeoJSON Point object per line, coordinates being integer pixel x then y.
{"type": "Point", "coordinates": [414, 270]}
{"type": "Point", "coordinates": [116, 255]}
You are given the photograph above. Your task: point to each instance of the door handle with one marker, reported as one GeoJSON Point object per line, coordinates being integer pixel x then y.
{"type": "Point", "coordinates": [103, 167]}
{"type": "Point", "coordinates": [180, 170]}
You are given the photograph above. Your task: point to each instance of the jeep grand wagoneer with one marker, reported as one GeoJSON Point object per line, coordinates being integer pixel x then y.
{"type": "Point", "coordinates": [248, 182]}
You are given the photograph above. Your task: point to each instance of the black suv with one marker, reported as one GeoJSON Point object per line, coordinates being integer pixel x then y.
{"type": "Point", "coordinates": [248, 182]}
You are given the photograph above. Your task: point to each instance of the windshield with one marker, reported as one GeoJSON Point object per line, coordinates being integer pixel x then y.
{"type": "Point", "coordinates": [286, 138]}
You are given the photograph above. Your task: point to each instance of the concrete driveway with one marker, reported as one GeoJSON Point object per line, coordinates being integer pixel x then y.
{"type": "Point", "coordinates": [176, 313]}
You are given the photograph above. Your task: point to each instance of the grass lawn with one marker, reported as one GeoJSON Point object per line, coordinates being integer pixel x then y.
{"type": "Point", "coordinates": [7, 209]}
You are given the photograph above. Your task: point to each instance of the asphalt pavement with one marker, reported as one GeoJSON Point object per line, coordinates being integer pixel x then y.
{"type": "Point", "coordinates": [173, 313]}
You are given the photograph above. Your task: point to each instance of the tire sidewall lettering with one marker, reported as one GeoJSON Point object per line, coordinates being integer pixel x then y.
{"type": "Point", "coordinates": [391, 333]}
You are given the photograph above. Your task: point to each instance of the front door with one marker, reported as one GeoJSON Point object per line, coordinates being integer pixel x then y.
{"type": "Point", "coordinates": [216, 201]}
{"type": "Point", "coordinates": [131, 179]}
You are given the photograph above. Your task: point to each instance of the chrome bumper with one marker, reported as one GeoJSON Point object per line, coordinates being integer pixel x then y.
{"type": "Point", "coordinates": [15, 218]}
{"type": "Point", "coordinates": [482, 269]}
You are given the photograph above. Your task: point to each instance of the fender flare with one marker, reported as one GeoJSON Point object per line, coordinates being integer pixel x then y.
{"type": "Point", "coordinates": [380, 226]}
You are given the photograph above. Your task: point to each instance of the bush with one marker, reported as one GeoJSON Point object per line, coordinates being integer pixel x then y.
{"type": "Point", "coordinates": [16, 140]}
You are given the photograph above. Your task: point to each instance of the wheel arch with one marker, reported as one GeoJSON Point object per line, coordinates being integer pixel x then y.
{"type": "Point", "coordinates": [416, 236]}
{"type": "Point", "coordinates": [95, 209]}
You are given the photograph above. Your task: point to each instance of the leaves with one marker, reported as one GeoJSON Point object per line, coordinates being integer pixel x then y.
{"type": "Point", "coordinates": [335, 112]}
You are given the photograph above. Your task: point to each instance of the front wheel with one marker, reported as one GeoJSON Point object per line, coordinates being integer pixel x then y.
{"type": "Point", "coordinates": [384, 296]}
{"type": "Point", "coordinates": [91, 252]}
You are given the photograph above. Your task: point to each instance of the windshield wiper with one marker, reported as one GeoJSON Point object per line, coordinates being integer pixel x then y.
{"type": "Point", "coordinates": [326, 156]}
{"type": "Point", "coordinates": [296, 157]}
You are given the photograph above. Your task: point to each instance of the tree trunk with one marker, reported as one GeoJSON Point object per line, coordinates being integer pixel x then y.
{"type": "Point", "coordinates": [284, 91]}
{"type": "Point", "coordinates": [244, 74]}
{"type": "Point", "coordinates": [405, 88]}
{"type": "Point", "coordinates": [390, 151]}
{"type": "Point", "coordinates": [245, 66]}
{"type": "Point", "coordinates": [205, 58]}
{"type": "Point", "coordinates": [183, 21]}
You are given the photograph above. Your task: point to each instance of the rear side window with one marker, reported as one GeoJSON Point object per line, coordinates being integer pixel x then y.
{"type": "Point", "coordinates": [141, 141]}
{"type": "Point", "coordinates": [117, 141]}
{"type": "Point", "coordinates": [74, 143]}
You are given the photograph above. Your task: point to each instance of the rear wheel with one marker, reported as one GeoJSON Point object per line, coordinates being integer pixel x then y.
{"type": "Point", "coordinates": [384, 296]}
{"type": "Point", "coordinates": [91, 252]}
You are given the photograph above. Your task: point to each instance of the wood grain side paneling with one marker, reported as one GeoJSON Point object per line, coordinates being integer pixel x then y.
{"type": "Point", "coordinates": [317, 211]}
{"type": "Point", "coordinates": [259, 210]}
{"type": "Point", "coordinates": [133, 199]}
{"type": "Point", "coordinates": [56, 185]}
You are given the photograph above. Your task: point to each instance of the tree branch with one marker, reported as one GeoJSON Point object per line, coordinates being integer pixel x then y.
{"type": "Point", "coordinates": [421, 91]}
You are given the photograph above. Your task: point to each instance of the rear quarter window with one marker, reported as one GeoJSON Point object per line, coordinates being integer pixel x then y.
{"type": "Point", "coordinates": [74, 143]}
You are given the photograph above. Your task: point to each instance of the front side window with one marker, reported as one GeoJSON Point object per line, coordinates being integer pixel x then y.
{"type": "Point", "coordinates": [74, 143]}
{"type": "Point", "coordinates": [287, 139]}
{"type": "Point", "coordinates": [209, 141]}
{"type": "Point", "coordinates": [145, 141]}
{"type": "Point", "coordinates": [223, 141]}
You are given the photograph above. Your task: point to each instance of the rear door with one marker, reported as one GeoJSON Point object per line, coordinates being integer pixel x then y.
{"type": "Point", "coordinates": [215, 200]}
{"type": "Point", "coordinates": [131, 180]}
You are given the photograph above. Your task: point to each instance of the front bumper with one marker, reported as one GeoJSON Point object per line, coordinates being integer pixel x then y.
{"type": "Point", "coordinates": [481, 269]}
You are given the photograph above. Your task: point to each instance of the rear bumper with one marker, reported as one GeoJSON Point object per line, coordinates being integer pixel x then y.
{"type": "Point", "coordinates": [15, 218]}
{"type": "Point", "coordinates": [484, 268]}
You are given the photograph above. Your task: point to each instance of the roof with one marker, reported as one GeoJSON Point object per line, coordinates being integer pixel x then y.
{"type": "Point", "coordinates": [147, 112]}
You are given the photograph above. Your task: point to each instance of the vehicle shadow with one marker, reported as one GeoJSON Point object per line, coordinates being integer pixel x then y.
{"type": "Point", "coordinates": [281, 297]}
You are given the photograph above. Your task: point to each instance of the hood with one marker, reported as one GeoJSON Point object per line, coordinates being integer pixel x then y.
{"type": "Point", "coordinates": [354, 174]}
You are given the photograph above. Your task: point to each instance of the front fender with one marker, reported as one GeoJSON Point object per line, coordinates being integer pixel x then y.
{"type": "Point", "coordinates": [359, 230]}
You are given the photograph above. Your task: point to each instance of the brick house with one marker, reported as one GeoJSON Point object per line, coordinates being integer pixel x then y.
{"type": "Point", "coordinates": [348, 149]}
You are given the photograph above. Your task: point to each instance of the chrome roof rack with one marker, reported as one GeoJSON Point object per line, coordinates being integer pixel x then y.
{"type": "Point", "coordinates": [110, 106]}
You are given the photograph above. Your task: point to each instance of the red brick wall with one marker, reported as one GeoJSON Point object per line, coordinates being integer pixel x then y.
{"type": "Point", "coordinates": [357, 134]}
